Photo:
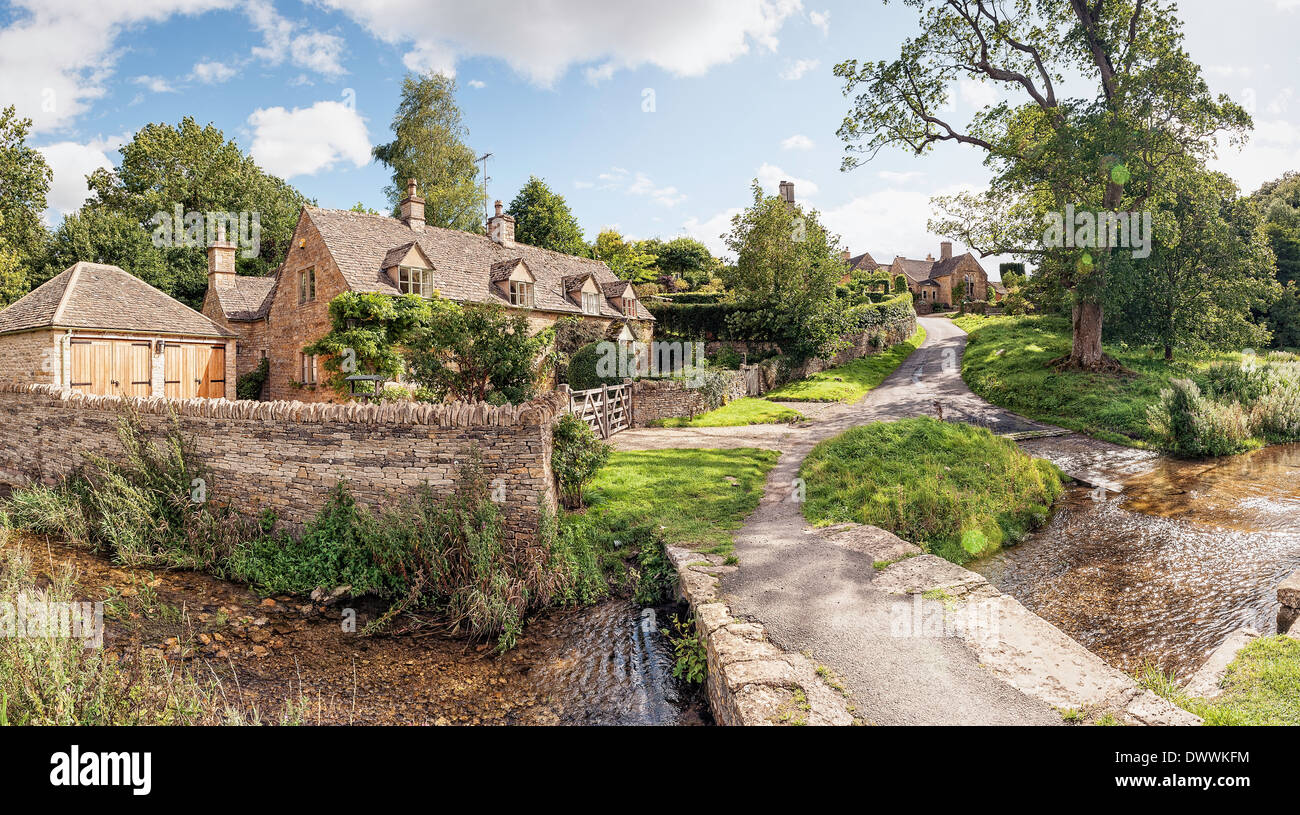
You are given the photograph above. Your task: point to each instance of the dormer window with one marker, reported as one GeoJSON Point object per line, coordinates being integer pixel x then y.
{"type": "Point", "coordinates": [521, 294]}
{"type": "Point", "coordinates": [413, 280]}
{"type": "Point", "coordinates": [590, 302]}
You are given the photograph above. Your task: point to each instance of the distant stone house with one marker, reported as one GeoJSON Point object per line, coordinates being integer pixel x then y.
{"type": "Point", "coordinates": [334, 251]}
{"type": "Point", "coordinates": [933, 281]}
{"type": "Point", "coordinates": [98, 329]}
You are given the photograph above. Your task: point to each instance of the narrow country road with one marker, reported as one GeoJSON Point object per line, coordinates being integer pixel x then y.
{"type": "Point", "coordinates": [815, 594]}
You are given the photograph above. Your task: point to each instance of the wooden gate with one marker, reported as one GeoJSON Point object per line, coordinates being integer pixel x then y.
{"type": "Point", "coordinates": [191, 370]}
{"type": "Point", "coordinates": [112, 367]}
{"type": "Point", "coordinates": [606, 410]}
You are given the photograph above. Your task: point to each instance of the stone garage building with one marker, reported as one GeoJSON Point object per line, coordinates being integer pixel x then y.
{"type": "Point", "coordinates": [98, 329]}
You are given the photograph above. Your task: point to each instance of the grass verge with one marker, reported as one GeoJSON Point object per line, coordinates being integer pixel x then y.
{"type": "Point", "coordinates": [851, 381]}
{"type": "Point", "coordinates": [957, 491]}
{"type": "Point", "coordinates": [1261, 687]}
{"type": "Point", "coordinates": [1006, 363]}
{"type": "Point", "coordinates": [696, 498]}
{"type": "Point", "coordinates": [744, 411]}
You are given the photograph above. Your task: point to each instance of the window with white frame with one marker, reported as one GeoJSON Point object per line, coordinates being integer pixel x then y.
{"type": "Point", "coordinates": [591, 302]}
{"type": "Point", "coordinates": [521, 293]}
{"type": "Point", "coordinates": [414, 280]}
{"type": "Point", "coordinates": [307, 368]}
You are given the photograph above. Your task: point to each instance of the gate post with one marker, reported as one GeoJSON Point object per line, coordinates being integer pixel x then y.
{"type": "Point", "coordinates": [604, 411]}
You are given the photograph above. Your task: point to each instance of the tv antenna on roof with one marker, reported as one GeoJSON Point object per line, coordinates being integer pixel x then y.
{"type": "Point", "coordinates": [483, 158]}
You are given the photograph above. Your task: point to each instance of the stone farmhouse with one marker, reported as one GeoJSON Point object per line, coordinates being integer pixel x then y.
{"type": "Point", "coordinates": [932, 282]}
{"type": "Point", "coordinates": [99, 330]}
{"type": "Point", "coordinates": [334, 251]}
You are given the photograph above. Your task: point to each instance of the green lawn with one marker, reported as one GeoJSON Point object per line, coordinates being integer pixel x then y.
{"type": "Point", "coordinates": [957, 491]}
{"type": "Point", "coordinates": [1262, 687]}
{"type": "Point", "coordinates": [1006, 363]}
{"type": "Point", "coordinates": [699, 496]}
{"type": "Point", "coordinates": [743, 411]}
{"type": "Point", "coordinates": [851, 381]}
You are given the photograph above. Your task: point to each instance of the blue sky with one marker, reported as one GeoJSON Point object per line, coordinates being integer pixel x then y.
{"type": "Point", "coordinates": [740, 89]}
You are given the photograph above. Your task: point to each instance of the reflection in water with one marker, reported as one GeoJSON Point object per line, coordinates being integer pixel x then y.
{"type": "Point", "coordinates": [1163, 573]}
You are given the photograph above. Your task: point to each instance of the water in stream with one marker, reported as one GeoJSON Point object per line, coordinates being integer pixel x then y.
{"type": "Point", "coordinates": [1164, 572]}
{"type": "Point", "coordinates": [603, 664]}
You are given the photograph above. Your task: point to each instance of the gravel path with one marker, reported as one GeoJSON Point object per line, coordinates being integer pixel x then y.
{"type": "Point", "coordinates": [815, 594]}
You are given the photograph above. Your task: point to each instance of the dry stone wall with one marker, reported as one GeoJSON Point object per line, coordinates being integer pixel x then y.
{"type": "Point", "coordinates": [288, 456]}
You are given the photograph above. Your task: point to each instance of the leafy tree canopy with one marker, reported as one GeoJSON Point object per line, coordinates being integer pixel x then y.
{"type": "Point", "coordinates": [429, 145]}
{"type": "Point", "coordinates": [24, 181]}
{"type": "Point", "coordinates": [542, 218]}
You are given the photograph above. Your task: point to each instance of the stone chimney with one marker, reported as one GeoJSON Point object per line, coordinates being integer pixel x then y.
{"type": "Point", "coordinates": [412, 208]}
{"type": "Point", "coordinates": [221, 260]}
{"type": "Point", "coordinates": [945, 250]}
{"type": "Point", "coordinates": [787, 192]}
{"type": "Point", "coordinates": [845, 255]}
{"type": "Point", "coordinates": [501, 228]}
{"type": "Point", "coordinates": [929, 257]}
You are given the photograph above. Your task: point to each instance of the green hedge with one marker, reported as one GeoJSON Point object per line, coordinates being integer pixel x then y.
{"type": "Point", "coordinates": [692, 320]}
{"type": "Point", "coordinates": [874, 315]}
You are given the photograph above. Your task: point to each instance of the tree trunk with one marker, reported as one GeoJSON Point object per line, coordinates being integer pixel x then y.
{"type": "Point", "coordinates": [1086, 354]}
{"type": "Point", "coordinates": [1169, 353]}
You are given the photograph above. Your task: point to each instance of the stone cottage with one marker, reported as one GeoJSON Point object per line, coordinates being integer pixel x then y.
{"type": "Point", "coordinates": [931, 281]}
{"type": "Point", "coordinates": [334, 251]}
{"type": "Point", "coordinates": [99, 329]}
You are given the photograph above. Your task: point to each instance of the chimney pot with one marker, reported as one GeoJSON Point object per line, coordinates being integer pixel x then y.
{"type": "Point", "coordinates": [221, 259]}
{"type": "Point", "coordinates": [501, 228]}
{"type": "Point", "coordinates": [929, 256]}
{"type": "Point", "coordinates": [412, 207]}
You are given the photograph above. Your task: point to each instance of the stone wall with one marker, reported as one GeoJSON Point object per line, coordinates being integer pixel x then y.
{"type": "Point", "coordinates": [751, 681]}
{"type": "Point", "coordinates": [30, 356]}
{"type": "Point", "coordinates": [288, 456]}
{"type": "Point", "coordinates": [654, 399]}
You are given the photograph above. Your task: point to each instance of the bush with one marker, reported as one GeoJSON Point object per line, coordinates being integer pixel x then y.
{"type": "Point", "coordinates": [585, 365]}
{"type": "Point", "coordinates": [249, 385]}
{"type": "Point", "coordinates": [576, 456]}
{"type": "Point", "coordinates": [1187, 424]}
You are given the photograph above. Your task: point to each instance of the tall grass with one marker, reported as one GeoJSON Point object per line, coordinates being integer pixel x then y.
{"type": "Point", "coordinates": [1245, 404]}
{"type": "Point", "coordinates": [451, 556]}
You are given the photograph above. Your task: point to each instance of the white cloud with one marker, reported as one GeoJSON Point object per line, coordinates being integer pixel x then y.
{"type": "Point", "coordinates": [1281, 103]}
{"type": "Point", "coordinates": [211, 72]}
{"type": "Point", "coordinates": [899, 178]}
{"type": "Point", "coordinates": [683, 37]}
{"type": "Point", "coordinates": [283, 38]}
{"type": "Point", "coordinates": [618, 179]}
{"type": "Point", "coordinates": [71, 163]}
{"type": "Point", "coordinates": [891, 222]}
{"type": "Point", "coordinates": [157, 84]}
{"type": "Point", "coordinates": [797, 68]}
{"type": "Point", "coordinates": [1240, 71]}
{"type": "Point", "coordinates": [477, 83]}
{"type": "Point", "coordinates": [1274, 147]}
{"type": "Point", "coordinates": [305, 141]}
{"type": "Point", "coordinates": [797, 142]}
{"type": "Point", "coordinates": [822, 20]}
{"type": "Point", "coordinates": [56, 55]}
{"type": "Point", "coordinates": [770, 177]}
{"type": "Point", "coordinates": [977, 94]}
{"type": "Point", "coordinates": [709, 231]}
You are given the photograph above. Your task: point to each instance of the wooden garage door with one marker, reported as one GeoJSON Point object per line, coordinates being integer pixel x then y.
{"type": "Point", "coordinates": [112, 367]}
{"type": "Point", "coordinates": [194, 370]}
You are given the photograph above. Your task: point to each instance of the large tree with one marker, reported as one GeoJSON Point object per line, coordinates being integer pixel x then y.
{"type": "Point", "coordinates": [195, 169]}
{"type": "Point", "coordinates": [1146, 105]}
{"type": "Point", "coordinates": [627, 259]}
{"type": "Point", "coordinates": [24, 181]}
{"type": "Point", "coordinates": [542, 218]}
{"type": "Point", "coordinates": [429, 145]}
{"type": "Point", "coordinates": [103, 235]}
{"type": "Point", "coordinates": [1210, 271]}
{"type": "Point", "coordinates": [787, 267]}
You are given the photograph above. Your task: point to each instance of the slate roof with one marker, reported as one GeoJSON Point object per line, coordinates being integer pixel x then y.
{"type": "Point", "coordinates": [863, 262]}
{"type": "Point", "coordinates": [919, 270]}
{"type": "Point", "coordinates": [93, 295]}
{"type": "Point", "coordinates": [464, 264]}
{"type": "Point", "coordinates": [248, 299]}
